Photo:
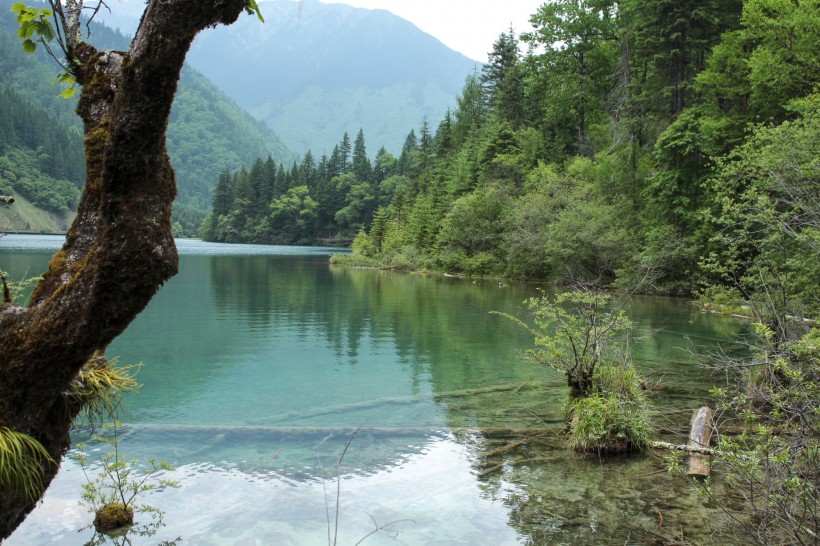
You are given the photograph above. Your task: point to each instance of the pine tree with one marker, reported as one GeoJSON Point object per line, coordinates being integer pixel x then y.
{"type": "Point", "coordinates": [308, 172]}
{"type": "Point", "coordinates": [361, 164]}
{"type": "Point", "coordinates": [223, 194]}
{"type": "Point", "coordinates": [384, 166]}
{"type": "Point", "coordinates": [425, 146]}
{"type": "Point", "coordinates": [408, 160]}
{"type": "Point", "coordinates": [344, 154]}
{"type": "Point", "coordinates": [444, 135]}
{"type": "Point", "coordinates": [503, 79]}
{"type": "Point", "coordinates": [672, 38]}
{"type": "Point", "coordinates": [261, 194]}
{"type": "Point", "coordinates": [471, 111]}
{"type": "Point", "coordinates": [580, 43]}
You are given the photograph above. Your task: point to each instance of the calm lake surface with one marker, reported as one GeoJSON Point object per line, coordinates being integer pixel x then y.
{"type": "Point", "coordinates": [261, 362]}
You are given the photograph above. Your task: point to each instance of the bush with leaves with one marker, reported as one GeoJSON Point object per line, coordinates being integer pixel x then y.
{"type": "Point", "coordinates": [584, 335]}
{"type": "Point", "coordinates": [774, 463]}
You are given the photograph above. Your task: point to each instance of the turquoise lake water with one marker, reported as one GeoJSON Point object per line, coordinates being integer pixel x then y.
{"type": "Point", "coordinates": [261, 362]}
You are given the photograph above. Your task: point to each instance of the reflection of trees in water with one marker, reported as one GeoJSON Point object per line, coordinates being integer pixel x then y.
{"type": "Point", "coordinates": [441, 330]}
{"type": "Point", "coordinates": [295, 293]}
{"type": "Point", "coordinates": [434, 324]}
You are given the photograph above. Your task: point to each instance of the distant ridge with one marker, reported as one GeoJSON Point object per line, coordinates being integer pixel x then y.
{"type": "Point", "coordinates": [314, 73]}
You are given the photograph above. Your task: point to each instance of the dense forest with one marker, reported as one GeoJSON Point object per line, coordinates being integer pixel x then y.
{"type": "Point", "coordinates": [41, 140]}
{"type": "Point", "coordinates": [39, 159]}
{"type": "Point", "coordinates": [642, 139]}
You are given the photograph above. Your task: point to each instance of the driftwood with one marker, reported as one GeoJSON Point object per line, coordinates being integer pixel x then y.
{"type": "Point", "coordinates": [699, 436]}
{"type": "Point", "coordinates": [682, 447]}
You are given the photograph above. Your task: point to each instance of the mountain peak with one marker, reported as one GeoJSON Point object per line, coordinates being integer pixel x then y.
{"type": "Point", "coordinates": [315, 70]}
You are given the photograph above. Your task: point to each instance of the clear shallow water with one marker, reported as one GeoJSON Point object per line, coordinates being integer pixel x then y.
{"type": "Point", "coordinates": [261, 362]}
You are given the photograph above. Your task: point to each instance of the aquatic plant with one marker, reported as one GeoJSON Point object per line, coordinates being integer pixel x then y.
{"type": "Point", "coordinates": [113, 493]}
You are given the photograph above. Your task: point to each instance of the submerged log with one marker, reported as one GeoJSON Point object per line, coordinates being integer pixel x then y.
{"type": "Point", "coordinates": [699, 436]}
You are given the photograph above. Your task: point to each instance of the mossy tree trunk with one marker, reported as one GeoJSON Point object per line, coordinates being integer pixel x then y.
{"type": "Point", "coordinates": [119, 250]}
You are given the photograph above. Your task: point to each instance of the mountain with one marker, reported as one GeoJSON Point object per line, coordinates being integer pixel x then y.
{"type": "Point", "coordinates": [313, 71]}
{"type": "Point", "coordinates": [208, 132]}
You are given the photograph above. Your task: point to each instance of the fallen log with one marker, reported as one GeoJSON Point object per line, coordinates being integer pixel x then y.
{"type": "Point", "coordinates": [401, 400]}
{"type": "Point", "coordinates": [682, 447]}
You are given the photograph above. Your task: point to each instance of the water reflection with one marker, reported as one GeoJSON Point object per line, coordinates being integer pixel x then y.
{"type": "Point", "coordinates": [259, 368]}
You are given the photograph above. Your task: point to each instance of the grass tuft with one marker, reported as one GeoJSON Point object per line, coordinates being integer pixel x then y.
{"type": "Point", "coordinates": [22, 459]}
{"type": "Point", "coordinates": [99, 387]}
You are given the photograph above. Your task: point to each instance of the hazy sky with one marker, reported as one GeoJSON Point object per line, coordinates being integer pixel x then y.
{"type": "Point", "coordinates": [468, 26]}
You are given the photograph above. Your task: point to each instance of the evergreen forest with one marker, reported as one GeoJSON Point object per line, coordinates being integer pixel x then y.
{"type": "Point", "coordinates": [671, 144]}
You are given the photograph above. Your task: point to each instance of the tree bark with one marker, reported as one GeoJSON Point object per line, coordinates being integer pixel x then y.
{"type": "Point", "coordinates": [119, 250]}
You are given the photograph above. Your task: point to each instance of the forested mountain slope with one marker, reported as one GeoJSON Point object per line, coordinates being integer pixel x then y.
{"type": "Point", "coordinates": [42, 145]}
{"type": "Point", "coordinates": [314, 71]}
{"type": "Point", "coordinates": [640, 141]}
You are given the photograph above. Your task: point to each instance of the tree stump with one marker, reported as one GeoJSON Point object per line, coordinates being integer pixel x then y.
{"type": "Point", "coordinates": [700, 434]}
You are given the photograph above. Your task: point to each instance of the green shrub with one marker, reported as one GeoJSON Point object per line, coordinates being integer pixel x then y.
{"type": "Point", "coordinates": [608, 424]}
{"type": "Point", "coordinates": [587, 337]}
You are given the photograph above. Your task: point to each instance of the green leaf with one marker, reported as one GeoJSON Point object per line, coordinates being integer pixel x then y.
{"type": "Point", "coordinates": [68, 92]}
{"type": "Point", "coordinates": [29, 46]}
{"type": "Point", "coordinates": [253, 7]}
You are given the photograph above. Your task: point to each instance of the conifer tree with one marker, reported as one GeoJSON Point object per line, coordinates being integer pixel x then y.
{"type": "Point", "coordinates": [361, 166]}
{"type": "Point", "coordinates": [223, 194]}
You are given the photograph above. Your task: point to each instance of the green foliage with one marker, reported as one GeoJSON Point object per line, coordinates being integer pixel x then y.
{"type": "Point", "coordinates": [579, 41]}
{"type": "Point", "coordinates": [208, 133]}
{"type": "Point", "coordinates": [581, 335]}
{"type": "Point", "coordinates": [765, 222]}
{"type": "Point", "coordinates": [608, 424]}
{"type": "Point", "coordinates": [99, 387]}
{"type": "Point", "coordinates": [622, 146]}
{"type": "Point", "coordinates": [774, 463]}
{"type": "Point", "coordinates": [576, 334]}
{"type": "Point", "coordinates": [253, 8]}
{"type": "Point", "coordinates": [17, 291]}
{"type": "Point", "coordinates": [119, 483]}
{"type": "Point", "coordinates": [22, 459]}
{"type": "Point", "coordinates": [20, 169]}
{"type": "Point", "coordinates": [471, 231]}
{"type": "Point", "coordinates": [35, 26]}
